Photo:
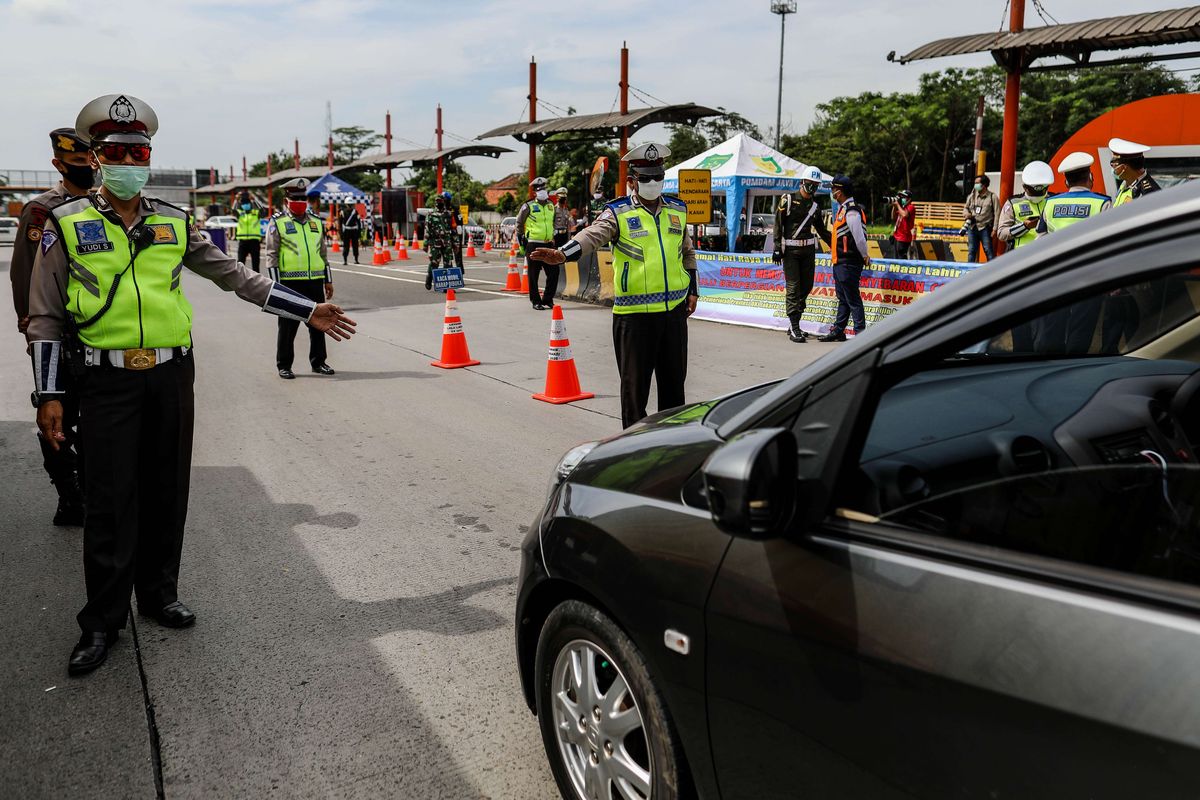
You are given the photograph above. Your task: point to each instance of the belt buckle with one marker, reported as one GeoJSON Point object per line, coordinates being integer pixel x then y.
{"type": "Point", "coordinates": [140, 359]}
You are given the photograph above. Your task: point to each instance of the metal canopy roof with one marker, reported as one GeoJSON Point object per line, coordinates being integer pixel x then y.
{"type": "Point", "coordinates": [610, 124]}
{"type": "Point", "coordinates": [427, 156]}
{"type": "Point", "coordinates": [1075, 40]}
{"type": "Point", "coordinates": [304, 172]}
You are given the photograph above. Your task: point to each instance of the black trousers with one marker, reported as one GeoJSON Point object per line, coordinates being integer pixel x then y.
{"type": "Point", "coordinates": [65, 465]}
{"type": "Point", "coordinates": [846, 287]}
{"type": "Point", "coordinates": [650, 344]}
{"type": "Point", "coordinates": [799, 263]}
{"type": "Point", "coordinates": [285, 342]}
{"type": "Point", "coordinates": [349, 239]}
{"type": "Point", "coordinates": [137, 448]}
{"type": "Point", "coordinates": [249, 247]}
{"type": "Point", "coordinates": [546, 297]}
{"type": "Point", "coordinates": [1068, 330]}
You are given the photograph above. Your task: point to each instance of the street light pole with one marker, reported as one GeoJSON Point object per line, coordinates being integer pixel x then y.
{"type": "Point", "coordinates": [782, 8]}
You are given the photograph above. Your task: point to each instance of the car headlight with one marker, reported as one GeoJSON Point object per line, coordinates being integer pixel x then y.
{"type": "Point", "coordinates": [568, 463]}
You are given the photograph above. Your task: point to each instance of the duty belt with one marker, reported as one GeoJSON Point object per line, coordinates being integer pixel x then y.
{"type": "Point", "coordinates": [137, 358]}
{"type": "Point", "coordinates": [809, 242]}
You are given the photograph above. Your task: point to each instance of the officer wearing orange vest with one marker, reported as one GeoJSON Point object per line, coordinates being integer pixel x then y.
{"type": "Point", "coordinates": [848, 245]}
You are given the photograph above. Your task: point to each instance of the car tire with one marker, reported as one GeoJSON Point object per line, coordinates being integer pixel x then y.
{"type": "Point", "coordinates": [601, 748]}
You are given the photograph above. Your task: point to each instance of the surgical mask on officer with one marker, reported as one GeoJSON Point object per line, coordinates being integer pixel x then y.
{"type": "Point", "coordinates": [808, 188]}
{"type": "Point", "coordinates": [124, 181]}
{"type": "Point", "coordinates": [542, 195]}
{"type": "Point", "coordinates": [245, 206]}
{"type": "Point", "coordinates": [649, 190]}
{"type": "Point", "coordinates": [297, 207]}
{"type": "Point", "coordinates": [597, 196]}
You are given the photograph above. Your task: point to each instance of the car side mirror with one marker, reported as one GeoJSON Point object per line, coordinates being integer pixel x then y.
{"type": "Point", "coordinates": [750, 483]}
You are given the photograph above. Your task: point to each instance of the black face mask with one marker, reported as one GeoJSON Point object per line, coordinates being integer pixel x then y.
{"type": "Point", "coordinates": [83, 177]}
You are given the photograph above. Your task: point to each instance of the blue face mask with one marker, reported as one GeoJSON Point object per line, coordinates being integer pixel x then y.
{"type": "Point", "coordinates": [245, 206]}
{"type": "Point", "coordinates": [124, 181]}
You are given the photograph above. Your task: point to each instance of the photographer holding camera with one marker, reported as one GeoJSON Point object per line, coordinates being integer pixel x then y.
{"type": "Point", "coordinates": [902, 234]}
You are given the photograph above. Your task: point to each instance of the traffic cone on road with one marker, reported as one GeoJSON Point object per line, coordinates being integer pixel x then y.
{"type": "Point", "coordinates": [335, 248]}
{"type": "Point", "coordinates": [377, 259]}
{"type": "Point", "coordinates": [562, 381]}
{"type": "Point", "coordinates": [487, 241]}
{"type": "Point", "coordinates": [401, 252]}
{"type": "Point", "coordinates": [524, 277]}
{"type": "Point", "coordinates": [513, 282]}
{"type": "Point", "coordinates": [454, 341]}
{"type": "Point", "coordinates": [470, 248]}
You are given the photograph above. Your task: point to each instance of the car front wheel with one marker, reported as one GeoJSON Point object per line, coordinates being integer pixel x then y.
{"type": "Point", "coordinates": [604, 726]}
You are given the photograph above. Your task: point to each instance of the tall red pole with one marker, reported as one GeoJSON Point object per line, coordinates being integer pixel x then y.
{"type": "Point", "coordinates": [1012, 106]}
{"type": "Point", "coordinates": [387, 138]}
{"type": "Point", "coordinates": [532, 118]}
{"type": "Point", "coordinates": [622, 171]}
{"type": "Point", "coordinates": [438, 131]}
{"type": "Point", "coordinates": [296, 157]}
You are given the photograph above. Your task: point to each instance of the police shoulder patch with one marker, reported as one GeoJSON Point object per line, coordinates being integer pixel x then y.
{"type": "Point", "coordinates": [48, 240]}
{"type": "Point", "coordinates": [33, 234]}
{"type": "Point", "coordinates": [164, 233]}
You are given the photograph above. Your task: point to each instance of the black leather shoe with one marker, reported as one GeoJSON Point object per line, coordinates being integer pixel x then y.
{"type": "Point", "coordinates": [69, 514]}
{"type": "Point", "coordinates": [172, 615]}
{"type": "Point", "coordinates": [832, 337]}
{"type": "Point", "coordinates": [796, 335]}
{"type": "Point", "coordinates": [324, 369]}
{"type": "Point", "coordinates": [90, 652]}
{"type": "Point", "coordinates": [287, 374]}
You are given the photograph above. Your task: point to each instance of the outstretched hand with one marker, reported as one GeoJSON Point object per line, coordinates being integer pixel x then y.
{"type": "Point", "coordinates": [331, 320]}
{"type": "Point", "coordinates": [548, 255]}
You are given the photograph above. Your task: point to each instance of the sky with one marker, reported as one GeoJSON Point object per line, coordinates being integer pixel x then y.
{"type": "Point", "coordinates": [229, 78]}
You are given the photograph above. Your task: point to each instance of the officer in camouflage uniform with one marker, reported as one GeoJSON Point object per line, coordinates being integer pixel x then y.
{"type": "Point", "coordinates": [596, 207]}
{"type": "Point", "coordinates": [63, 464]}
{"type": "Point", "coordinates": [439, 240]}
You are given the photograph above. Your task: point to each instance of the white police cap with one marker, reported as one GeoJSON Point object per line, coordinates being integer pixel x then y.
{"type": "Point", "coordinates": [1124, 147]}
{"type": "Point", "coordinates": [539, 182]}
{"type": "Point", "coordinates": [649, 152]}
{"type": "Point", "coordinates": [1037, 173]}
{"type": "Point", "coordinates": [117, 118]}
{"type": "Point", "coordinates": [295, 186]}
{"type": "Point", "coordinates": [1076, 160]}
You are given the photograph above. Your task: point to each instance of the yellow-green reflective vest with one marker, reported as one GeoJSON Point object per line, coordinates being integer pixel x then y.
{"type": "Point", "coordinates": [1124, 195]}
{"type": "Point", "coordinates": [1023, 209]}
{"type": "Point", "coordinates": [300, 248]}
{"type": "Point", "coordinates": [539, 225]}
{"type": "Point", "coordinates": [1063, 210]}
{"type": "Point", "coordinates": [148, 308]}
{"type": "Point", "coordinates": [648, 273]}
{"type": "Point", "coordinates": [248, 226]}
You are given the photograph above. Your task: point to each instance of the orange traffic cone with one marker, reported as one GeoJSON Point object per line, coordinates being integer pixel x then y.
{"type": "Point", "coordinates": [562, 381]}
{"type": "Point", "coordinates": [401, 252]}
{"type": "Point", "coordinates": [487, 241]}
{"type": "Point", "coordinates": [470, 248]}
{"type": "Point", "coordinates": [524, 277]}
{"type": "Point", "coordinates": [335, 248]}
{"type": "Point", "coordinates": [454, 342]}
{"type": "Point", "coordinates": [377, 259]}
{"type": "Point", "coordinates": [512, 283]}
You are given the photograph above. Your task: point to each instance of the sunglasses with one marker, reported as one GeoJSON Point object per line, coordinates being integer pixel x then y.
{"type": "Point", "coordinates": [648, 178]}
{"type": "Point", "coordinates": [116, 151]}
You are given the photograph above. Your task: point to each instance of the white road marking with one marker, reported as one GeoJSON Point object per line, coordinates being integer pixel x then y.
{"type": "Point", "coordinates": [422, 281]}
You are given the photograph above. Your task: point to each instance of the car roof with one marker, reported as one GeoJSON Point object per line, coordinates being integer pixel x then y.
{"type": "Point", "coordinates": [1168, 215]}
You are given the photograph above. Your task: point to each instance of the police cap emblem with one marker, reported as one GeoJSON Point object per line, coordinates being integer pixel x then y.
{"type": "Point", "coordinates": [651, 153]}
{"type": "Point", "coordinates": [122, 110]}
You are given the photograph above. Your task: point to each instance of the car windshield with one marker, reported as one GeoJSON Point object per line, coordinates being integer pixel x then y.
{"type": "Point", "coordinates": [762, 221]}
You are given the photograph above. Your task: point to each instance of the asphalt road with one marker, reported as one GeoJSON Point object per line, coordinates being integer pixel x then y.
{"type": "Point", "coordinates": [351, 553]}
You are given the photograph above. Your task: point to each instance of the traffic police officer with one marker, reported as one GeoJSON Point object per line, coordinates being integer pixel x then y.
{"type": "Point", "coordinates": [654, 282]}
{"type": "Point", "coordinates": [249, 231]}
{"type": "Point", "coordinates": [798, 222]}
{"type": "Point", "coordinates": [535, 232]}
{"type": "Point", "coordinates": [1071, 329]}
{"type": "Point", "coordinates": [1129, 165]}
{"type": "Point", "coordinates": [1019, 219]}
{"type": "Point", "coordinates": [62, 464]}
{"type": "Point", "coordinates": [848, 243]}
{"type": "Point", "coordinates": [296, 257]}
{"type": "Point", "coordinates": [108, 275]}
{"type": "Point", "coordinates": [351, 231]}
{"type": "Point", "coordinates": [562, 219]}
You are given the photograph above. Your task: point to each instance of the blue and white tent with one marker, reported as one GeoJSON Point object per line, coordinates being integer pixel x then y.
{"type": "Point", "coordinates": [332, 189]}
{"type": "Point", "coordinates": [742, 167]}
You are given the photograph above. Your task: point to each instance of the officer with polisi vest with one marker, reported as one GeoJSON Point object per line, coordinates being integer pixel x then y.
{"type": "Point", "coordinates": [654, 282]}
{"type": "Point", "coordinates": [1129, 165]}
{"type": "Point", "coordinates": [1071, 330]}
{"type": "Point", "coordinates": [62, 464]}
{"type": "Point", "coordinates": [249, 231]}
{"type": "Point", "coordinates": [296, 257]}
{"type": "Point", "coordinates": [1021, 213]}
{"type": "Point", "coordinates": [535, 232]}
{"type": "Point", "coordinates": [107, 304]}
{"type": "Point", "coordinates": [848, 246]}
{"type": "Point", "coordinates": [798, 222]}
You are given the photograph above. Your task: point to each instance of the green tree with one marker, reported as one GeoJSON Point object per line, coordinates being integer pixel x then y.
{"type": "Point", "coordinates": [456, 180]}
{"type": "Point", "coordinates": [685, 142]}
{"type": "Point", "coordinates": [350, 142]}
{"type": "Point", "coordinates": [569, 164]}
{"type": "Point", "coordinates": [508, 203]}
{"type": "Point", "coordinates": [726, 126]}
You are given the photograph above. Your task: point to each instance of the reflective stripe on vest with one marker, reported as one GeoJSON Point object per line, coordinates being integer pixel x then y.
{"type": "Point", "coordinates": [1064, 210]}
{"type": "Point", "coordinates": [248, 227]}
{"type": "Point", "coordinates": [149, 308]}
{"type": "Point", "coordinates": [539, 225]}
{"type": "Point", "coordinates": [300, 248]}
{"type": "Point", "coordinates": [648, 273]}
{"type": "Point", "coordinates": [1023, 209]}
{"type": "Point", "coordinates": [843, 240]}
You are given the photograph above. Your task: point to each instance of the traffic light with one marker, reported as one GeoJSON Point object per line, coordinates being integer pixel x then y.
{"type": "Point", "coordinates": [967, 179]}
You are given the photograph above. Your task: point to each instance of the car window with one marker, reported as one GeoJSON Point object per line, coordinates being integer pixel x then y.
{"type": "Point", "coordinates": [1063, 436]}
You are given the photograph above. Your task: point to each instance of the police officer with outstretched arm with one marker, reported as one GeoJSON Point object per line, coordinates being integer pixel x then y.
{"type": "Point", "coordinates": [798, 222]}
{"type": "Point", "coordinates": [654, 282]}
{"type": "Point", "coordinates": [63, 463]}
{"type": "Point", "coordinates": [108, 277]}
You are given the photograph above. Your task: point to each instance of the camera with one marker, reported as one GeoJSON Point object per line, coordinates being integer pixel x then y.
{"type": "Point", "coordinates": [891, 198]}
